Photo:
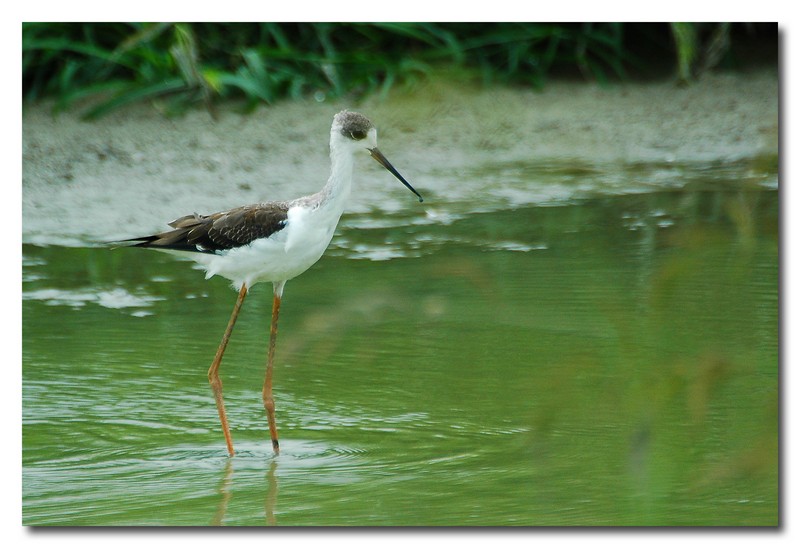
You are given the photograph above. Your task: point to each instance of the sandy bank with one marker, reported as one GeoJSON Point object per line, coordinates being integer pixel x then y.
{"type": "Point", "coordinates": [82, 180]}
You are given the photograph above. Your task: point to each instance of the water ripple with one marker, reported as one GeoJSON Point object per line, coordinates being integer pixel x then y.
{"type": "Point", "coordinates": [116, 298]}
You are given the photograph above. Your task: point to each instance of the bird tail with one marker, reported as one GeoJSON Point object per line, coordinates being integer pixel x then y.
{"type": "Point", "coordinates": [132, 242]}
{"type": "Point", "coordinates": [173, 239]}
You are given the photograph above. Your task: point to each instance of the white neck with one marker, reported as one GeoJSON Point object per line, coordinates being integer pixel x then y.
{"type": "Point", "coordinates": [337, 190]}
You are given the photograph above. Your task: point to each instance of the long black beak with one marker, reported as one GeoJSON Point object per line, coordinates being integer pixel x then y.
{"type": "Point", "coordinates": [381, 159]}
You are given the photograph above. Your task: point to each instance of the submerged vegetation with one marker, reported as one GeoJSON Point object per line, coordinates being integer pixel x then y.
{"type": "Point", "coordinates": [186, 63]}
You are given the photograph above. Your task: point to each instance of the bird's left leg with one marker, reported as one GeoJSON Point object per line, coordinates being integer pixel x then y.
{"type": "Point", "coordinates": [266, 393]}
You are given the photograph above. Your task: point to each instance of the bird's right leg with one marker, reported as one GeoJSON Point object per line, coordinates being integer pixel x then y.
{"type": "Point", "coordinates": [213, 371]}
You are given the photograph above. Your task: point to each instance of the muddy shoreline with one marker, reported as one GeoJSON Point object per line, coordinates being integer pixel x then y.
{"type": "Point", "coordinates": [125, 173]}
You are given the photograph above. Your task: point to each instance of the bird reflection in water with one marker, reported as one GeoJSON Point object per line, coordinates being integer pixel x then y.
{"type": "Point", "coordinates": [225, 493]}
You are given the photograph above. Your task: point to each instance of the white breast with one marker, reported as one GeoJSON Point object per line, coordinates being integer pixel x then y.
{"type": "Point", "coordinates": [283, 256]}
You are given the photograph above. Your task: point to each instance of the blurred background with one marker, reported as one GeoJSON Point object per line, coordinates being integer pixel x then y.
{"type": "Point", "coordinates": [260, 63]}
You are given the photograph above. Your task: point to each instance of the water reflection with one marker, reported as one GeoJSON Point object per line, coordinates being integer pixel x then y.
{"type": "Point", "coordinates": [607, 361]}
{"type": "Point", "coordinates": [271, 499]}
{"type": "Point", "coordinates": [225, 494]}
{"type": "Point", "coordinates": [226, 490]}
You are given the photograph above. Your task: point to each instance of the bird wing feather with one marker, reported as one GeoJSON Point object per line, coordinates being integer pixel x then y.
{"type": "Point", "coordinates": [220, 231]}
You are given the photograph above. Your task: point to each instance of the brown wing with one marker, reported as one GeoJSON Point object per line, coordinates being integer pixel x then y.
{"type": "Point", "coordinates": [220, 231]}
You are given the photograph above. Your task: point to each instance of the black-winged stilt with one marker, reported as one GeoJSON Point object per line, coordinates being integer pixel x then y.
{"type": "Point", "coordinates": [272, 242]}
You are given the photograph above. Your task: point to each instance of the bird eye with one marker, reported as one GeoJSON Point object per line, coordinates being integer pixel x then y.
{"type": "Point", "coordinates": [358, 135]}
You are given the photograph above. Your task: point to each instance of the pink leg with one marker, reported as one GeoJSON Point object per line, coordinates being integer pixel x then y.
{"type": "Point", "coordinates": [266, 393]}
{"type": "Point", "coordinates": [213, 371]}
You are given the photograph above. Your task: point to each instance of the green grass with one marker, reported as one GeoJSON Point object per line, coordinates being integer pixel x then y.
{"type": "Point", "coordinates": [182, 64]}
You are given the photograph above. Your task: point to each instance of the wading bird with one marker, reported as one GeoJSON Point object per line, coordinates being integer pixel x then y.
{"type": "Point", "coordinates": [272, 242]}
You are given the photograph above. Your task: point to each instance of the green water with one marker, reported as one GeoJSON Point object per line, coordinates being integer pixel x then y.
{"type": "Point", "coordinates": [602, 360]}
